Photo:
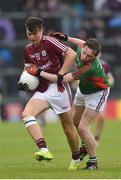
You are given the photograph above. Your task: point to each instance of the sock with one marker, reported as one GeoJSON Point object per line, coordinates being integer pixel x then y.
{"type": "Point", "coordinates": [92, 159]}
{"type": "Point", "coordinates": [76, 155]}
{"type": "Point", "coordinates": [83, 152]}
{"type": "Point", "coordinates": [41, 143]}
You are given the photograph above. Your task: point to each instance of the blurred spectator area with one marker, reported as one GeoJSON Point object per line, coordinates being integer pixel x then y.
{"type": "Point", "coordinates": [79, 18]}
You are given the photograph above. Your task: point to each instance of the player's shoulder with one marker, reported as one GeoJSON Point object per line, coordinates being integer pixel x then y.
{"type": "Point", "coordinates": [28, 46]}
{"type": "Point", "coordinates": [54, 41]}
{"type": "Point", "coordinates": [49, 39]}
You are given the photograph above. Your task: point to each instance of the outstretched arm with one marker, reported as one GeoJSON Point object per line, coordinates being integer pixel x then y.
{"type": "Point", "coordinates": [64, 37]}
{"type": "Point", "coordinates": [76, 41]}
{"type": "Point", "coordinates": [53, 77]}
{"type": "Point", "coordinates": [49, 76]}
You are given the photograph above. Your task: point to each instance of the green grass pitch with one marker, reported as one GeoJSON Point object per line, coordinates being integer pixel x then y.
{"type": "Point", "coordinates": [17, 148]}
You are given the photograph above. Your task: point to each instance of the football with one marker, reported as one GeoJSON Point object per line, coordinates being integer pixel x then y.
{"type": "Point", "coordinates": [32, 81]}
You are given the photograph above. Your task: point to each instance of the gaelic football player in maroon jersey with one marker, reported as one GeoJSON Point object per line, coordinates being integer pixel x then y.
{"type": "Point", "coordinates": [92, 92]}
{"type": "Point", "coordinates": [50, 55]}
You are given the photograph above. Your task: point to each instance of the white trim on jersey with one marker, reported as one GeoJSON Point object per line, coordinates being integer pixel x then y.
{"type": "Point", "coordinates": [29, 45]}
{"type": "Point", "coordinates": [56, 43]}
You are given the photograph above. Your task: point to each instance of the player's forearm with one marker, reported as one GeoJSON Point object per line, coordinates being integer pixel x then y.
{"type": "Point", "coordinates": [68, 61]}
{"type": "Point", "coordinates": [49, 76]}
{"type": "Point", "coordinates": [76, 41]}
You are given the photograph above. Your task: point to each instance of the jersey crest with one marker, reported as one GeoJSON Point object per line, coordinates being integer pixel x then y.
{"type": "Point", "coordinates": [44, 53]}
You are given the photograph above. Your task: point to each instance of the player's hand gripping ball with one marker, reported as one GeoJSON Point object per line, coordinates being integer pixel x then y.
{"type": "Point", "coordinates": [33, 70]}
{"type": "Point", "coordinates": [28, 82]}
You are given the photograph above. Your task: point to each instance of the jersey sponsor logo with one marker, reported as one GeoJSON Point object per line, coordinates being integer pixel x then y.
{"type": "Point", "coordinates": [47, 65]}
{"type": "Point", "coordinates": [35, 55]}
{"type": "Point", "coordinates": [32, 56]}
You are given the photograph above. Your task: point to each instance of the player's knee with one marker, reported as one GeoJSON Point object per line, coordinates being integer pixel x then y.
{"type": "Point", "coordinates": [76, 121]}
{"type": "Point", "coordinates": [28, 118]}
{"type": "Point", "coordinates": [25, 114]}
{"type": "Point", "coordinates": [82, 129]}
{"type": "Point", "coordinates": [68, 130]}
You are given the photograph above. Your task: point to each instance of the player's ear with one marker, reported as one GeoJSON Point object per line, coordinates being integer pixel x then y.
{"type": "Point", "coordinates": [99, 55]}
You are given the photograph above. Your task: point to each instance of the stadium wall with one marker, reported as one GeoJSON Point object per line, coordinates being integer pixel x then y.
{"type": "Point", "coordinates": [113, 110]}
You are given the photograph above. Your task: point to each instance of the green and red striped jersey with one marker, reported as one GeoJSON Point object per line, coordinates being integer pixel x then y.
{"type": "Point", "coordinates": [91, 75]}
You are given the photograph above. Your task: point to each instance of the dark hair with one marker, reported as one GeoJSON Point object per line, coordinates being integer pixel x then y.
{"type": "Point", "coordinates": [34, 23]}
{"type": "Point", "coordinates": [93, 44]}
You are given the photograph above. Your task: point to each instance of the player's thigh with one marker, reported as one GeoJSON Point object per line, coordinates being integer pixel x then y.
{"type": "Point", "coordinates": [66, 119]}
{"type": "Point", "coordinates": [100, 117]}
{"type": "Point", "coordinates": [34, 107]}
{"type": "Point", "coordinates": [88, 117]}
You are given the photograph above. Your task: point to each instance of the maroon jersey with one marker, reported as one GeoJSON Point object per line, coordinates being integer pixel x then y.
{"type": "Point", "coordinates": [105, 66]}
{"type": "Point", "coordinates": [48, 56]}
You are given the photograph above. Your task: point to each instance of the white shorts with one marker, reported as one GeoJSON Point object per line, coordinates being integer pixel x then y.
{"type": "Point", "coordinates": [59, 102]}
{"type": "Point", "coordinates": [95, 101]}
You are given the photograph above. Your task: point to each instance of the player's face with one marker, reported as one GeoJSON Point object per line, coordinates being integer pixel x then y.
{"type": "Point", "coordinates": [87, 54]}
{"type": "Point", "coordinates": [34, 37]}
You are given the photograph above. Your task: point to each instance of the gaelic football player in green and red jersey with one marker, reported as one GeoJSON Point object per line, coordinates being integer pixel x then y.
{"type": "Point", "coordinates": [91, 95]}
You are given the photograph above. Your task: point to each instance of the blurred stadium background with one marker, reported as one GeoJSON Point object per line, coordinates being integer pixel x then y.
{"type": "Point", "coordinates": [79, 18]}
